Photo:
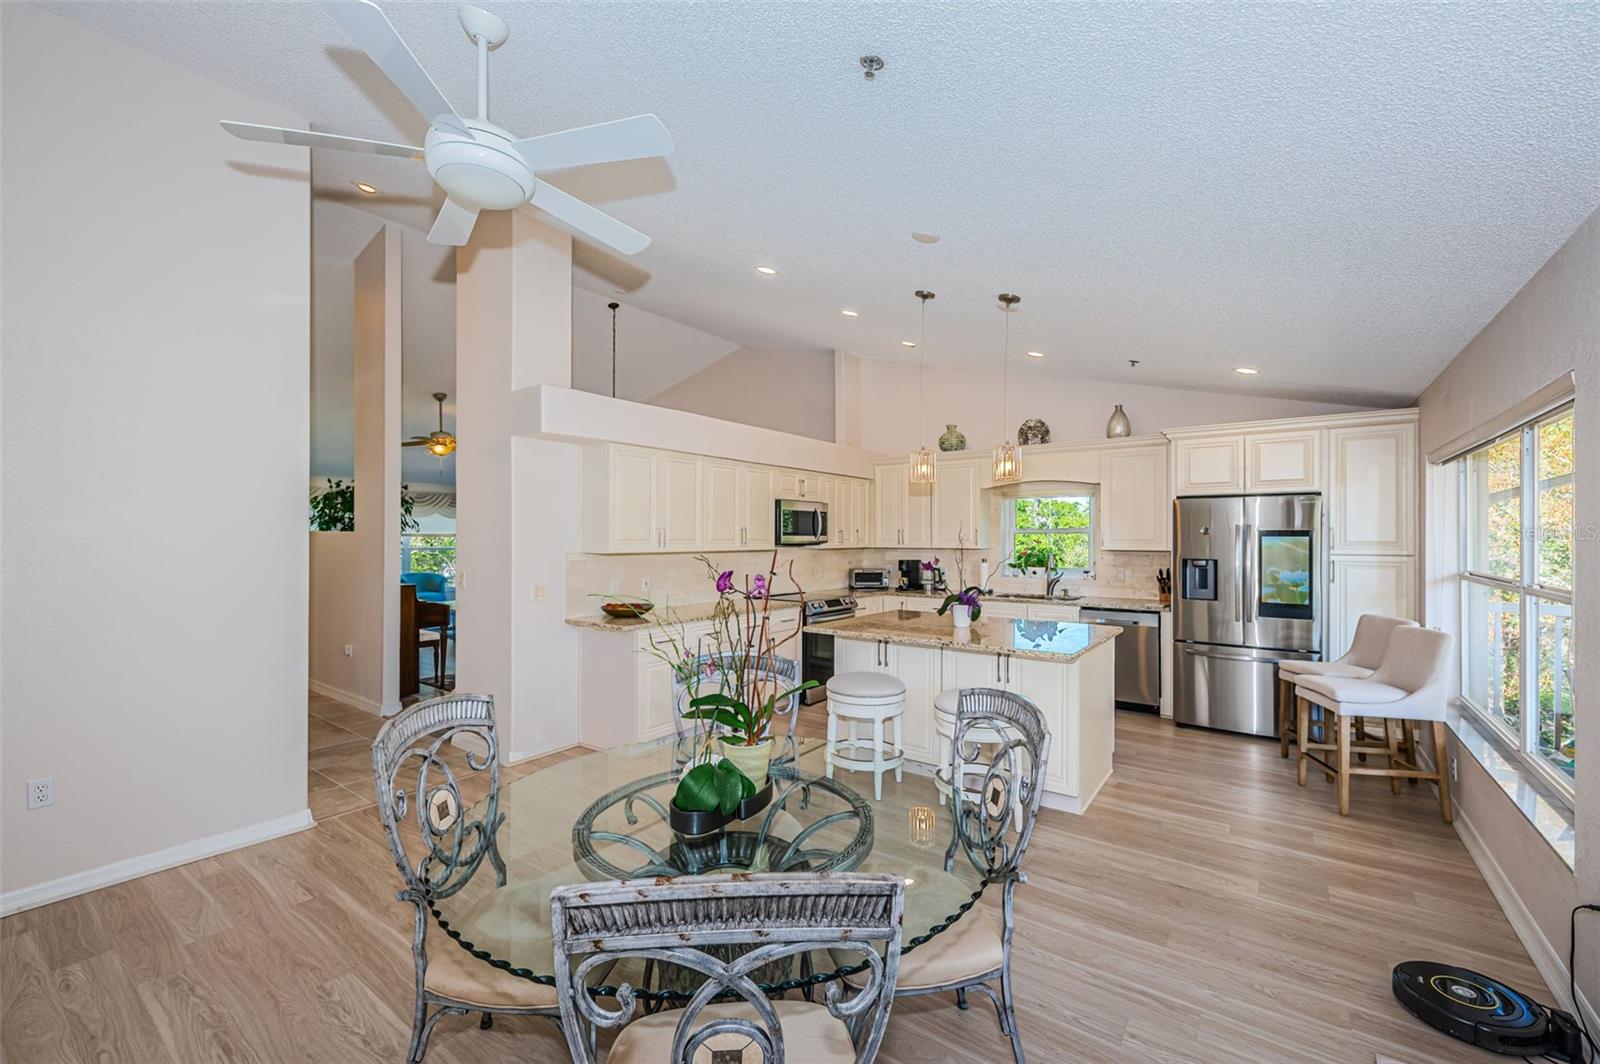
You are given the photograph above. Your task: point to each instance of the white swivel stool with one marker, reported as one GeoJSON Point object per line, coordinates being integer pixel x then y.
{"type": "Point", "coordinates": [873, 698]}
{"type": "Point", "coordinates": [944, 728]}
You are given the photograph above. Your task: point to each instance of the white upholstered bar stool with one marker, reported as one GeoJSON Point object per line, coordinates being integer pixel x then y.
{"type": "Point", "coordinates": [944, 730]}
{"type": "Point", "coordinates": [1409, 686]}
{"type": "Point", "coordinates": [1359, 662]}
{"type": "Point", "coordinates": [872, 699]}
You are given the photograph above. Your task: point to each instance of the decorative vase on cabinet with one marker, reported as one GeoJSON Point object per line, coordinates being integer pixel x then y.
{"type": "Point", "coordinates": [1118, 425]}
{"type": "Point", "coordinates": [953, 439]}
{"type": "Point", "coordinates": [1031, 431]}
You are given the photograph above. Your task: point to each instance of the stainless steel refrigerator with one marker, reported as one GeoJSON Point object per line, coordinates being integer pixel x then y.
{"type": "Point", "coordinates": [1251, 591]}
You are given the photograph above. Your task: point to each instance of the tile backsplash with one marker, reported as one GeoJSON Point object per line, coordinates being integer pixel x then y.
{"type": "Point", "coordinates": [681, 578]}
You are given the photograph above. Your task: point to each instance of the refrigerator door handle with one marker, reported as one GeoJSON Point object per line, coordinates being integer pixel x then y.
{"type": "Point", "coordinates": [1238, 571]}
{"type": "Point", "coordinates": [1248, 591]}
{"type": "Point", "coordinates": [1207, 653]}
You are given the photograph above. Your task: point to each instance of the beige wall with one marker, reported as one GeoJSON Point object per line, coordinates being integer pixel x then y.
{"type": "Point", "coordinates": [355, 576]}
{"type": "Point", "coordinates": [155, 441]}
{"type": "Point", "coordinates": [891, 416]}
{"type": "Point", "coordinates": [1550, 328]}
{"type": "Point", "coordinates": [790, 391]}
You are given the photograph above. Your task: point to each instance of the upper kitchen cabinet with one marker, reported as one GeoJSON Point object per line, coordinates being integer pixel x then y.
{"type": "Point", "coordinates": [1372, 476]}
{"type": "Point", "coordinates": [757, 520]}
{"type": "Point", "coordinates": [1209, 465]}
{"type": "Point", "coordinates": [799, 484]}
{"type": "Point", "coordinates": [723, 518]}
{"type": "Point", "coordinates": [638, 500]}
{"type": "Point", "coordinates": [678, 501]}
{"type": "Point", "coordinates": [960, 517]}
{"type": "Point", "coordinates": [861, 511]}
{"type": "Point", "coordinates": [1283, 461]}
{"type": "Point", "coordinates": [902, 511]}
{"type": "Point", "coordinates": [1135, 499]}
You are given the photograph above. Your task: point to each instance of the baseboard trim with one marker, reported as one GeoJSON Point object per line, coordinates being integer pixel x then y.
{"type": "Point", "coordinates": [516, 757]}
{"type": "Point", "coordinates": [327, 690]}
{"type": "Point", "coordinates": [1552, 966]}
{"type": "Point", "coordinates": [70, 886]}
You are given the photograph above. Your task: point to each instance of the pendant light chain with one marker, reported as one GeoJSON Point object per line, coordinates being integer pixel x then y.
{"type": "Point", "coordinates": [921, 469]}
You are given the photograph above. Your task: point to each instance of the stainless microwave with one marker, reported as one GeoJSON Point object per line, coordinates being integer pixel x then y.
{"type": "Point", "coordinates": [799, 521]}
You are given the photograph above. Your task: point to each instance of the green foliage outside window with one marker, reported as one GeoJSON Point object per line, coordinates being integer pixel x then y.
{"type": "Point", "coordinates": [1052, 533]}
{"type": "Point", "coordinates": [433, 554]}
{"type": "Point", "coordinates": [333, 509]}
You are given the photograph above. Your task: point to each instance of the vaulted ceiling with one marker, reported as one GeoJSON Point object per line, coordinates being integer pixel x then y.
{"type": "Point", "coordinates": [1338, 195]}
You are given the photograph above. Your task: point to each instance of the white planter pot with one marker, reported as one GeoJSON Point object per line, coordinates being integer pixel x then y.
{"type": "Point", "coordinates": [962, 615]}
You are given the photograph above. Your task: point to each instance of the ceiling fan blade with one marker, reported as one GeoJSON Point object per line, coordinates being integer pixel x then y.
{"type": "Point", "coordinates": [639, 137]}
{"type": "Point", "coordinates": [414, 442]}
{"type": "Point", "coordinates": [454, 225]}
{"type": "Point", "coordinates": [371, 29]}
{"type": "Point", "coordinates": [592, 222]}
{"type": "Point", "coordinates": [307, 139]}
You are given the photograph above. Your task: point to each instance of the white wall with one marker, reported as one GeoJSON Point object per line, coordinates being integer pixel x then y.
{"type": "Point", "coordinates": [653, 352]}
{"type": "Point", "coordinates": [790, 391]}
{"type": "Point", "coordinates": [155, 427]}
{"type": "Point", "coordinates": [890, 412]}
{"type": "Point", "coordinates": [1550, 328]}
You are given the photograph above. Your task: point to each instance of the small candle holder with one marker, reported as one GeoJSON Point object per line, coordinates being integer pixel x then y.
{"type": "Point", "coordinates": [921, 821]}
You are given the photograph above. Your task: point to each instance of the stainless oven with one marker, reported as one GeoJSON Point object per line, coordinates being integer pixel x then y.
{"type": "Point", "coordinates": [816, 647]}
{"type": "Point", "coordinates": [799, 522]}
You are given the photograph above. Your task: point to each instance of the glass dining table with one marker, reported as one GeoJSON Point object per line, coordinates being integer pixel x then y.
{"type": "Point", "coordinates": [604, 816]}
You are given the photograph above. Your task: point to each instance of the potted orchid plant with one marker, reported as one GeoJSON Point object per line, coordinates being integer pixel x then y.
{"type": "Point", "coordinates": [729, 764]}
{"type": "Point", "coordinates": [965, 605]}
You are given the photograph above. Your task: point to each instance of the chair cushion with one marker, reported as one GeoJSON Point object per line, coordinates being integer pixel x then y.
{"type": "Point", "coordinates": [1349, 691]}
{"type": "Point", "coordinates": [810, 1034]}
{"type": "Point", "coordinates": [456, 974]}
{"type": "Point", "coordinates": [1323, 668]}
{"type": "Point", "coordinates": [945, 702]}
{"type": "Point", "coordinates": [427, 635]}
{"type": "Point", "coordinates": [870, 686]}
{"type": "Point", "coordinates": [968, 948]}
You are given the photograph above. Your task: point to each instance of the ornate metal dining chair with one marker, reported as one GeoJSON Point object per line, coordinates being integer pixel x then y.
{"type": "Point", "coordinates": [729, 1019]}
{"type": "Point", "coordinates": [416, 767]}
{"type": "Point", "coordinates": [714, 672]}
{"type": "Point", "coordinates": [975, 951]}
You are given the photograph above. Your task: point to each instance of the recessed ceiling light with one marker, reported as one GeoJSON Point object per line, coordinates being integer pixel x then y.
{"type": "Point", "coordinates": [847, 312]}
{"type": "Point", "coordinates": [907, 343]}
{"type": "Point", "coordinates": [925, 238]}
{"type": "Point", "coordinates": [1246, 370]}
{"type": "Point", "coordinates": [1035, 354]}
{"type": "Point", "coordinates": [768, 270]}
{"type": "Point", "coordinates": [368, 189]}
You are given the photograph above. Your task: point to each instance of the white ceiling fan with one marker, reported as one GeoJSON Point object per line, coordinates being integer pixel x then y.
{"type": "Point", "coordinates": [480, 166]}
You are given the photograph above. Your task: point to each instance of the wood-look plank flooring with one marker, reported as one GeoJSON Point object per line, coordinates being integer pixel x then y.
{"type": "Point", "coordinates": [1206, 909]}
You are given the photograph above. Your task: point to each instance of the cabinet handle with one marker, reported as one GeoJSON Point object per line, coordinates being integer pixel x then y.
{"type": "Point", "coordinates": [1332, 572]}
{"type": "Point", "coordinates": [997, 668]}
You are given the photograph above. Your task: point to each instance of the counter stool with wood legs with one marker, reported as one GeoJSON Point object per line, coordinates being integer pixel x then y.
{"type": "Point", "coordinates": [1359, 663]}
{"type": "Point", "coordinates": [1408, 687]}
{"type": "Point", "coordinates": [871, 698]}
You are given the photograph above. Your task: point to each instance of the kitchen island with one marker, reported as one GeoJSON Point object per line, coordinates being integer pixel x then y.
{"type": "Point", "coordinates": [1064, 668]}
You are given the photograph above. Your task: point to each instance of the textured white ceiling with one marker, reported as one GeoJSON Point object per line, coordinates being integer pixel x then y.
{"type": "Point", "coordinates": [1341, 195]}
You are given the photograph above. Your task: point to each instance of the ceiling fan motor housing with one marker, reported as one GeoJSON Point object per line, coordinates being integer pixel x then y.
{"type": "Point", "coordinates": [484, 171]}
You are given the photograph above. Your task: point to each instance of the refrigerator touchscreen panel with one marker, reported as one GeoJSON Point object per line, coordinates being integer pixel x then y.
{"type": "Point", "coordinates": [1286, 585]}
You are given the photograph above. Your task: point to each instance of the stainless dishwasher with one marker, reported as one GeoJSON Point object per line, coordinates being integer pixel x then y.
{"type": "Point", "coordinates": [1138, 681]}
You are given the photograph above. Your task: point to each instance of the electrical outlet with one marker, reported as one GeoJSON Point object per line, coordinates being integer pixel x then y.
{"type": "Point", "coordinates": [41, 792]}
{"type": "Point", "coordinates": [644, 588]}
{"type": "Point", "coordinates": [349, 650]}
{"type": "Point", "coordinates": [1453, 777]}
{"type": "Point", "coordinates": [540, 593]}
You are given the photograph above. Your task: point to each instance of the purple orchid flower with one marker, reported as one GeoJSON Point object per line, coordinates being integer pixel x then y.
{"type": "Point", "coordinates": [931, 566]}
{"type": "Point", "coordinates": [758, 587]}
{"type": "Point", "coordinates": [969, 597]}
{"type": "Point", "coordinates": [725, 582]}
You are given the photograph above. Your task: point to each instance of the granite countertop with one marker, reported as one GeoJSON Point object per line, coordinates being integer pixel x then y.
{"type": "Point", "coordinates": [701, 611]}
{"type": "Point", "coordinates": [1058, 641]}
{"type": "Point", "coordinates": [1095, 602]}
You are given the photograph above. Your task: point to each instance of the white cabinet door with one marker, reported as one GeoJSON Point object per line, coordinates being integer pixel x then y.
{"type": "Point", "coordinates": [957, 506]}
{"type": "Point", "coordinates": [1283, 461]}
{"type": "Point", "coordinates": [1373, 481]}
{"type": "Point", "coordinates": [632, 488]}
{"type": "Point", "coordinates": [786, 483]}
{"type": "Point", "coordinates": [678, 501]}
{"type": "Point", "coordinates": [861, 508]}
{"type": "Point", "coordinates": [889, 505]}
{"type": "Point", "coordinates": [1012, 611]}
{"type": "Point", "coordinates": [1053, 613]}
{"type": "Point", "coordinates": [920, 603]}
{"type": "Point", "coordinates": [656, 711]}
{"type": "Point", "coordinates": [919, 515]}
{"type": "Point", "coordinates": [1366, 584]}
{"type": "Point", "coordinates": [918, 669]}
{"type": "Point", "coordinates": [1208, 466]}
{"type": "Point", "coordinates": [857, 655]}
{"type": "Point", "coordinates": [841, 516]}
{"type": "Point", "coordinates": [757, 519]}
{"type": "Point", "coordinates": [972, 668]}
{"type": "Point", "coordinates": [1135, 499]}
{"type": "Point", "coordinates": [719, 490]}
{"type": "Point", "coordinates": [1046, 685]}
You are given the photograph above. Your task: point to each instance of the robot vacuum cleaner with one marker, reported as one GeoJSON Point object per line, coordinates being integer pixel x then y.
{"type": "Point", "coordinates": [1485, 1012]}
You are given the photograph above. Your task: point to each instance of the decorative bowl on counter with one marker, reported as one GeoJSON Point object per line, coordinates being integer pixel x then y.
{"type": "Point", "coordinates": [626, 609]}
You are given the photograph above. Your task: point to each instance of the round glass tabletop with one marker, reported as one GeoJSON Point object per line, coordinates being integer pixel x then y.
{"type": "Point", "coordinates": [603, 816]}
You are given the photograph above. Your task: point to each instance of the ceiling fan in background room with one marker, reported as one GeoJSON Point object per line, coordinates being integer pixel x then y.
{"type": "Point", "coordinates": [440, 443]}
{"type": "Point", "coordinates": [480, 166]}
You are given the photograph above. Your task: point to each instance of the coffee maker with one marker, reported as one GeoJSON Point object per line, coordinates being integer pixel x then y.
{"type": "Point", "coordinates": [911, 574]}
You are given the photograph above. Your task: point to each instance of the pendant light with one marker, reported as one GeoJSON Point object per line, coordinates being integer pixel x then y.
{"type": "Point", "coordinates": [1007, 466]}
{"type": "Point", "coordinates": [922, 464]}
{"type": "Point", "coordinates": [613, 308]}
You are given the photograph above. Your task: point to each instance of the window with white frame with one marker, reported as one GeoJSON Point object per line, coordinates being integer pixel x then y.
{"type": "Point", "coordinates": [1516, 591]}
{"type": "Point", "coordinates": [1050, 531]}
